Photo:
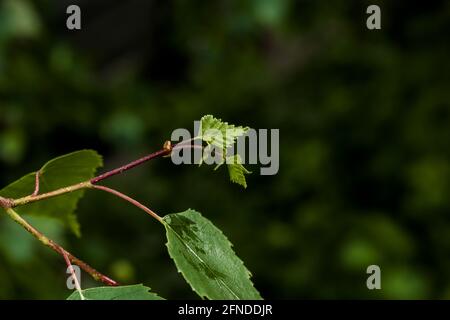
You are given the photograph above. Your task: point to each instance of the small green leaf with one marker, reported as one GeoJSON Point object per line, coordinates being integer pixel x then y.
{"type": "Point", "coordinates": [223, 135]}
{"type": "Point", "coordinates": [60, 172]}
{"type": "Point", "coordinates": [206, 259]}
{"type": "Point", "coordinates": [215, 131]}
{"type": "Point", "coordinates": [237, 171]}
{"type": "Point", "coordinates": [134, 292]}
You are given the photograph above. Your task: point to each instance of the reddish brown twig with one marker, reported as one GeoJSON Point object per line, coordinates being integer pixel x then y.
{"type": "Point", "coordinates": [60, 250]}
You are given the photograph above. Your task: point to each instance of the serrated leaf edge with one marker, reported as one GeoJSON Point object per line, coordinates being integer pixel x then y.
{"type": "Point", "coordinates": [229, 243]}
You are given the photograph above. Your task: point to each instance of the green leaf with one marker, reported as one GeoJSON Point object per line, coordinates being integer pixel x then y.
{"type": "Point", "coordinates": [60, 172]}
{"type": "Point", "coordinates": [215, 131]}
{"type": "Point", "coordinates": [237, 171]}
{"type": "Point", "coordinates": [206, 259]}
{"type": "Point", "coordinates": [134, 292]}
{"type": "Point", "coordinates": [223, 135]}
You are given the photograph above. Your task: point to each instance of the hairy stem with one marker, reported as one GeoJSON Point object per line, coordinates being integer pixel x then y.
{"type": "Point", "coordinates": [187, 146]}
{"type": "Point", "coordinates": [60, 250]}
{"type": "Point", "coordinates": [131, 165]}
{"type": "Point", "coordinates": [34, 197]}
{"type": "Point", "coordinates": [36, 183]}
{"type": "Point", "coordinates": [58, 192]}
{"type": "Point", "coordinates": [130, 200]}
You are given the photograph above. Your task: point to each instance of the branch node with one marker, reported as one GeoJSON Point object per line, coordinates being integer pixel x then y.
{"type": "Point", "coordinates": [6, 203]}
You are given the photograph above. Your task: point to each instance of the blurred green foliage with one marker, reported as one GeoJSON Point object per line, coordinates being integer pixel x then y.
{"type": "Point", "coordinates": [364, 121]}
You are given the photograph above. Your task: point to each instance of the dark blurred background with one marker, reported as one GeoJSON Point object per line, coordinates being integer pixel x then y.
{"type": "Point", "coordinates": [364, 123]}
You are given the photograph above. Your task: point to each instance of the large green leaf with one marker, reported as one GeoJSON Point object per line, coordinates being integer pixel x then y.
{"type": "Point", "coordinates": [134, 292]}
{"type": "Point", "coordinates": [60, 172]}
{"type": "Point", "coordinates": [206, 259]}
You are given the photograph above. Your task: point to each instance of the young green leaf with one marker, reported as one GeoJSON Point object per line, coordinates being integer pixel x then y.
{"type": "Point", "coordinates": [215, 131]}
{"type": "Point", "coordinates": [237, 171]}
{"type": "Point", "coordinates": [223, 135]}
{"type": "Point", "coordinates": [206, 259]}
{"type": "Point", "coordinates": [134, 292]}
{"type": "Point", "coordinates": [58, 173]}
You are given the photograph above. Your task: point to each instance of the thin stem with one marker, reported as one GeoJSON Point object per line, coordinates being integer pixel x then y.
{"type": "Point", "coordinates": [131, 165]}
{"type": "Point", "coordinates": [160, 153]}
{"type": "Point", "coordinates": [8, 204]}
{"type": "Point", "coordinates": [31, 198]}
{"type": "Point", "coordinates": [130, 200]}
{"type": "Point", "coordinates": [89, 184]}
{"type": "Point", "coordinates": [187, 142]}
{"type": "Point", "coordinates": [60, 250]}
{"type": "Point", "coordinates": [36, 184]}
{"type": "Point", "coordinates": [188, 146]}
